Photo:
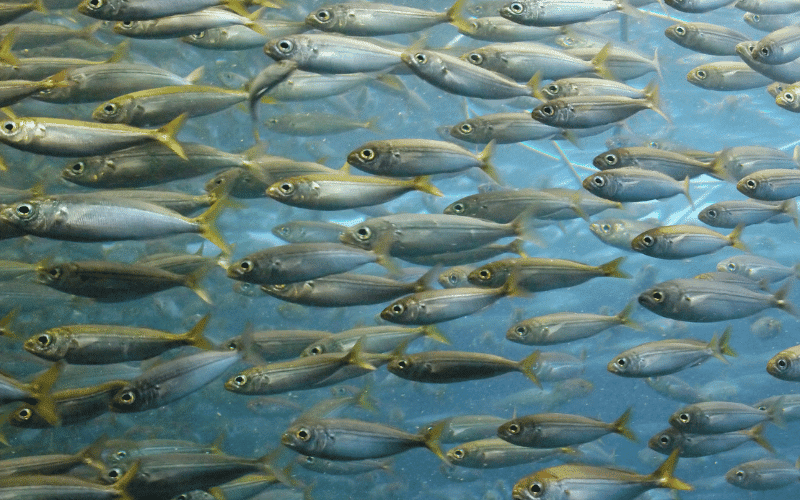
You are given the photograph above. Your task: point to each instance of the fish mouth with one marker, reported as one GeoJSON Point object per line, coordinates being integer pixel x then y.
{"type": "Point", "coordinates": [406, 57]}
{"type": "Point", "coordinates": [286, 439]}
{"type": "Point", "coordinates": [643, 300]}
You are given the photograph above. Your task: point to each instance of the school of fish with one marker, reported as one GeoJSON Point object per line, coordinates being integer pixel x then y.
{"type": "Point", "coordinates": [551, 215]}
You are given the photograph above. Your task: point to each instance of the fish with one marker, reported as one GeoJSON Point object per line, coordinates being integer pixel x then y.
{"type": "Point", "coordinates": [635, 184]}
{"type": "Point", "coordinates": [298, 231]}
{"type": "Point", "coordinates": [703, 445]}
{"type": "Point", "coordinates": [502, 128]}
{"type": "Point", "coordinates": [776, 184]}
{"type": "Point", "coordinates": [436, 306]}
{"type": "Point", "coordinates": [739, 161]}
{"type": "Point", "coordinates": [784, 365]}
{"type": "Point", "coordinates": [553, 13]}
{"type": "Point", "coordinates": [779, 47]}
{"type": "Point", "coordinates": [331, 53]}
{"type": "Point", "coordinates": [568, 326]}
{"type": "Point", "coordinates": [592, 111]}
{"type": "Point", "coordinates": [101, 344]}
{"type": "Point", "coordinates": [535, 274]}
{"type": "Point", "coordinates": [703, 301]}
{"type": "Point", "coordinates": [684, 241]}
{"type": "Point", "coordinates": [729, 214]}
{"type": "Point", "coordinates": [585, 86]}
{"type": "Point", "coordinates": [764, 474]}
{"type": "Point", "coordinates": [377, 19]}
{"type": "Point", "coordinates": [583, 482]}
{"type": "Point", "coordinates": [705, 38]}
{"type": "Point", "coordinates": [495, 453]}
{"type": "Point", "coordinates": [663, 357]}
{"type": "Point", "coordinates": [773, 7]}
{"type": "Point", "coordinates": [717, 417]}
{"type": "Point", "coordinates": [620, 233]}
{"type": "Point", "coordinates": [137, 10]}
{"type": "Point", "coordinates": [72, 407]}
{"type": "Point", "coordinates": [505, 205]}
{"type": "Point", "coordinates": [180, 25]}
{"type": "Point", "coordinates": [51, 487]}
{"type": "Point", "coordinates": [555, 430]}
{"type": "Point", "coordinates": [671, 163]}
{"type": "Point", "coordinates": [356, 439]}
{"type": "Point", "coordinates": [275, 345]}
{"type": "Point", "coordinates": [697, 6]}
{"type": "Point", "coordinates": [382, 338]}
{"type": "Point", "coordinates": [758, 269]}
{"type": "Point", "coordinates": [726, 76]}
{"type": "Point", "coordinates": [446, 367]}
{"type": "Point", "coordinates": [786, 73]}
{"type": "Point", "coordinates": [313, 124]}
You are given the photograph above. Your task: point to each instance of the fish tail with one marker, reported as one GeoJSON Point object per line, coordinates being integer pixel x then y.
{"type": "Point", "coordinates": [576, 206]}
{"type": "Point", "coordinates": [721, 346]}
{"type": "Point", "coordinates": [757, 435]}
{"type": "Point", "coordinates": [120, 52]}
{"type": "Point", "coordinates": [524, 226]}
{"type": "Point", "coordinates": [611, 269]}
{"type": "Point", "coordinates": [88, 454]}
{"type": "Point", "coordinates": [650, 89]}
{"type": "Point", "coordinates": [685, 185]}
{"type": "Point", "coordinates": [372, 124]}
{"type": "Point", "coordinates": [5, 47]}
{"type": "Point", "coordinates": [196, 75]}
{"type": "Point", "coordinates": [663, 476]}
{"type": "Point", "coordinates": [434, 333]}
{"type": "Point", "coordinates": [789, 207]}
{"type": "Point", "coordinates": [208, 228]}
{"type": "Point", "coordinates": [254, 25]}
{"type": "Point", "coordinates": [265, 3]}
{"type": "Point", "coordinates": [195, 337]}
{"type": "Point", "coordinates": [423, 183]}
{"type": "Point", "coordinates": [382, 250]}
{"type": "Point", "coordinates": [534, 83]}
{"type": "Point", "coordinates": [780, 299]}
{"type": "Point", "coordinates": [485, 157]}
{"type": "Point", "coordinates": [654, 103]}
{"type": "Point", "coordinates": [88, 31]}
{"type": "Point", "coordinates": [217, 493]}
{"type": "Point", "coordinates": [432, 437]}
{"type": "Point", "coordinates": [425, 282]}
{"type": "Point", "coordinates": [236, 6]}
{"type": "Point", "coordinates": [458, 20]}
{"type": "Point", "coordinates": [624, 317]}
{"type": "Point", "coordinates": [775, 412]}
{"type": "Point", "coordinates": [516, 247]}
{"type": "Point", "coordinates": [166, 135]}
{"type": "Point", "coordinates": [353, 356]}
{"type": "Point", "coordinates": [5, 330]}
{"type": "Point", "coordinates": [735, 236]}
{"type": "Point", "coordinates": [599, 62]}
{"type": "Point", "coordinates": [38, 6]}
{"type": "Point", "coordinates": [123, 482]}
{"type": "Point", "coordinates": [192, 282]}
{"type": "Point", "coordinates": [620, 425]}
{"type": "Point", "coordinates": [455, 10]}
{"type": "Point", "coordinates": [45, 405]}
{"type": "Point", "coordinates": [364, 397]}
{"type": "Point", "coordinates": [528, 364]}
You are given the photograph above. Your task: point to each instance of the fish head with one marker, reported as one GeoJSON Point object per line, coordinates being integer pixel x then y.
{"type": "Point", "coordinates": [243, 269]}
{"type": "Point", "coordinates": [425, 63]}
{"type": "Point", "coordinates": [665, 441]}
{"type": "Point", "coordinates": [327, 18]}
{"type": "Point", "coordinates": [766, 51]}
{"type": "Point", "coordinates": [730, 266]}
{"type": "Point", "coordinates": [783, 366]}
{"type": "Point", "coordinates": [88, 171]}
{"type": "Point", "coordinates": [302, 438]}
{"type": "Point", "coordinates": [554, 90]}
{"type": "Point", "coordinates": [248, 381]}
{"type": "Point", "coordinates": [458, 455]}
{"type": "Point", "coordinates": [712, 215]}
{"type": "Point", "coordinates": [404, 367]}
{"type": "Point", "coordinates": [114, 111]}
{"type": "Point", "coordinates": [468, 130]}
{"type": "Point", "coordinates": [647, 242]}
{"type": "Point", "coordinates": [476, 57]}
{"type": "Point", "coordinates": [28, 215]}
{"type": "Point", "coordinates": [738, 476]}
{"type": "Point", "coordinates": [364, 235]}
{"type": "Point", "coordinates": [101, 9]}
{"type": "Point", "coordinates": [402, 311]}
{"type": "Point", "coordinates": [289, 291]}
{"type": "Point", "coordinates": [454, 277]}
{"type": "Point", "coordinates": [745, 50]}
{"type": "Point", "coordinates": [20, 131]}
{"type": "Point", "coordinates": [704, 77]}
{"type": "Point", "coordinates": [288, 47]}
{"type": "Point", "coordinates": [128, 399]}
{"type": "Point", "coordinates": [624, 365]}
{"type": "Point", "coordinates": [370, 157]}
{"type": "Point", "coordinates": [607, 160]}
{"type": "Point", "coordinates": [677, 33]}
{"type": "Point", "coordinates": [555, 113]}
{"type": "Point", "coordinates": [601, 184]}
{"type": "Point", "coordinates": [27, 417]}
{"type": "Point", "coordinates": [535, 487]}
{"type": "Point", "coordinates": [689, 419]}
{"type": "Point", "coordinates": [750, 186]}
{"type": "Point", "coordinates": [57, 275]}
{"type": "Point", "coordinates": [522, 12]}
{"type": "Point", "coordinates": [489, 276]}
{"type": "Point", "coordinates": [657, 298]}
{"type": "Point", "coordinates": [294, 190]}
{"type": "Point", "coordinates": [525, 332]}
{"type": "Point", "coordinates": [51, 345]}
{"type": "Point", "coordinates": [316, 349]}
{"type": "Point", "coordinates": [133, 28]}
{"type": "Point", "coordinates": [788, 99]}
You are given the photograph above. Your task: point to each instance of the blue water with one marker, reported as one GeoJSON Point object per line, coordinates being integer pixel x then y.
{"type": "Point", "coordinates": [701, 119]}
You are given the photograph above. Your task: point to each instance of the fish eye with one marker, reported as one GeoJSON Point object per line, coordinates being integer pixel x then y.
{"type": "Point", "coordinates": [459, 208]}
{"type": "Point", "coordinates": [657, 296]}
{"type": "Point", "coordinates": [536, 489]}
{"type": "Point", "coordinates": [756, 18]}
{"type": "Point", "coordinates": [621, 362]}
{"type": "Point", "coordinates": [402, 364]}
{"type": "Point", "coordinates": [611, 159]}
{"type": "Point", "coordinates": [788, 97]}
{"type": "Point", "coordinates": [711, 213]}
{"type": "Point", "coordinates": [10, 126]}
{"type": "Point", "coordinates": [648, 240]}
{"type": "Point", "coordinates": [701, 74]}
{"type": "Point", "coordinates": [24, 414]}
{"type": "Point", "coordinates": [598, 181]}
{"type": "Point", "coordinates": [121, 454]}
{"type": "Point", "coordinates": [240, 380]}
{"type": "Point", "coordinates": [764, 51]}
{"type": "Point", "coordinates": [115, 473]}
{"type": "Point", "coordinates": [465, 128]}
{"type": "Point", "coordinates": [516, 8]}
{"type": "Point", "coordinates": [55, 272]}
{"type": "Point", "coordinates": [285, 46]}
{"type": "Point", "coordinates": [606, 228]}
{"type": "Point", "coordinates": [77, 168]}
{"type": "Point", "coordinates": [126, 24]}
{"type": "Point", "coordinates": [366, 154]}
{"type": "Point", "coordinates": [553, 88]}
{"type": "Point", "coordinates": [685, 418]}
{"type": "Point", "coordinates": [199, 35]}
{"type": "Point", "coordinates": [453, 278]}
{"type": "Point", "coordinates": [680, 31]}
{"type": "Point", "coordinates": [363, 233]}
{"type": "Point", "coordinates": [323, 15]}
{"type": "Point", "coordinates": [514, 428]}
{"type": "Point", "coordinates": [458, 454]}
{"type": "Point", "coordinates": [740, 474]}
{"type": "Point", "coordinates": [520, 331]}
{"type": "Point", "coordinates": [128, 397]}
{"type": "Point", "coordinates": [110, 108]}
{"type": "Point", "coordinates": [420, 58]}
{"type": "Point", "coordinates": [303, 434]}
{"type": "Point", "coordinates": [24, 210]}
{"type": "Point", "coordinates": [476, 58]}
{"type": "Point", "coordinates": [751, 183]}
{"type": "Point", "coordinates": [665, 439]}
{"type": "Point", "coordinates": [286, 188]}
{"type": "Point", "coordinates": [95, 4]}
{"type": "Point", "coordinates": [246, 265]}
{"type": "Point", "coordinates": [398, 309]}
{"type": "Point", "coordinates": [44, 340]}
{"type": "Point", "coordinates": [485, 274]}
{"type": "Point", "coordinates": [548, 110]}
{"type": "Point", "coordinates": [731, 267]}
{"type": "Point", "coordinates": [316, 350]}
{"type": "Point", "coordinates": [782, 364]}
{"type": "Point", "coordinates": [309, 460]}
{"type": "Point", "coordinates": [762, 408]}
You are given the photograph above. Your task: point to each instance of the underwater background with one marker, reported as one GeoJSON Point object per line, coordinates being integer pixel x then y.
{"type": "Point", "coordinates": [251, 425]}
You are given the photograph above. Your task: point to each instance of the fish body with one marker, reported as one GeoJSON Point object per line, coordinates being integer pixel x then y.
{"type": "Point", "coordinates": [445, 367]}
{"type": "Point", "coordinates": [729, 214]}
{"type": "Point", "coordinates": [557, 13]}
{"type": "Point", "coordinates": [565, 327]}
{"type": "Point", "coordinates": [436, 306]}
{"type": "Point", "coordinates": [591, 111]}
{"type": "Point", "coordinates": [703, 445]}
{"type": "Point", "coordinates": [635, 184]}
{"type": "Point", "coordinates": [324, 53]}
{"type": "Point", "coordinates": [671, 163]}
{"type": "Point", "coordinates": [684, 241]}
{"type": "Point", "coordinates": [726, 76]}
{"type": "Point", "coordinates": [536, 274]}
{"type": "Point", "coordinates": [495, 453]}
{"type": "Point", "coordinates": [554, 430]}
{"type": "Point", "coordinates": [717, 417]}
{"type": "Point", "coordinates": [415, 157]}
{"type": "Point", "coordinates": [375, 19]}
